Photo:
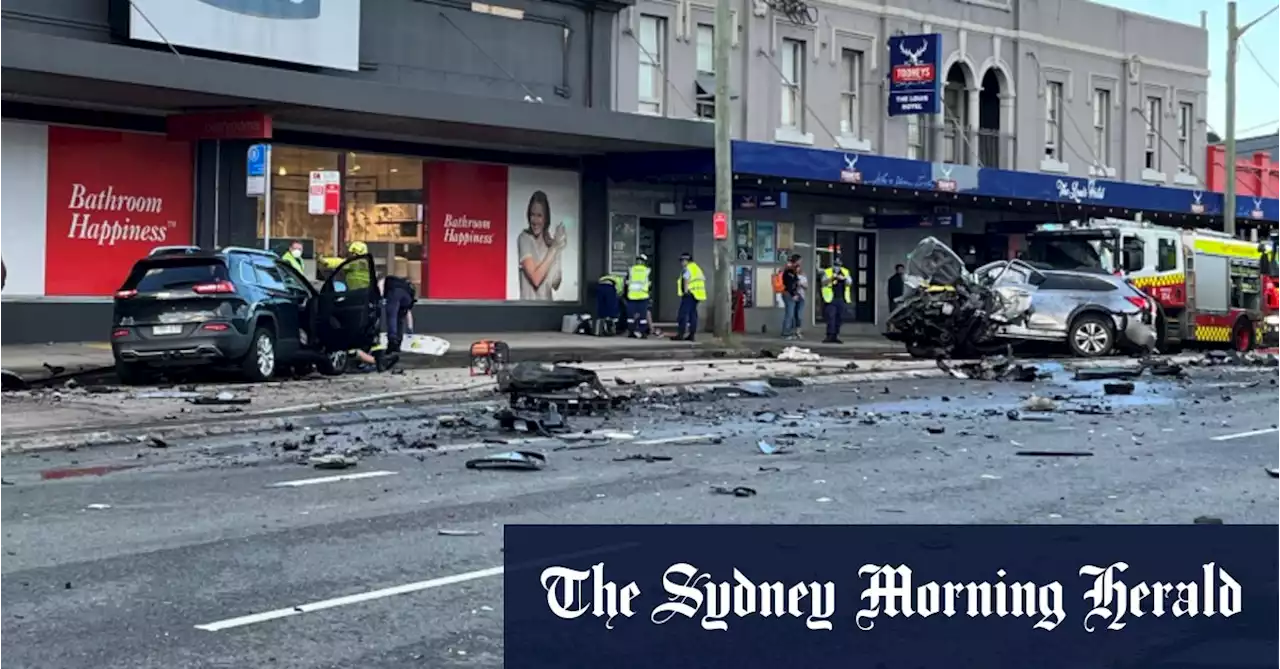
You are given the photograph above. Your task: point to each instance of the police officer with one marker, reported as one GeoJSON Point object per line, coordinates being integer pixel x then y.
{"type": "Point", "coordinates": [608, 295]}
{"type": "Point", "coordinates": [397, 310]}
{"type": "Point", "coordinates": [293, 257]}
{"type": "Point", "coordinates": [692, 289]}
{"type": "Point", "coordinates": [638, 286]}
{"type": "Point", "coordinates": [835, 295]}
{"type": "Point", "coordinates": [357, 273]}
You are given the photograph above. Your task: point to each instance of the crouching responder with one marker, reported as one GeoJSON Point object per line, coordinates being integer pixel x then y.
{"type": "Point", "coordinates": [692, 289]}
{"type": "Point", "coordinates": [398, 298]}
{"type": "Point", "coordinates": [638, 285]}
{"type": "Point", "coordinates": [608, 303]}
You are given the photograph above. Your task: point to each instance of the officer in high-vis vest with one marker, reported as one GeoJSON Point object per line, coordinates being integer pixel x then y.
{"type": "Point", "coordinates": [357, 273]}
{"type": "Point", "coordinates": [692, 289]}
{"type": "Point", "coordinates": [608, 304]}
{"type": "Point", "coordinates": [836, 294]}
{"type": "Point", "coordinates": [638, 286]}
{"type": "Point", "coordinates": [293, 257]}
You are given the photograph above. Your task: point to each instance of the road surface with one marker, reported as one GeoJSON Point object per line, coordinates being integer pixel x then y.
{"type": "Point", "coordinates": [228, 553]}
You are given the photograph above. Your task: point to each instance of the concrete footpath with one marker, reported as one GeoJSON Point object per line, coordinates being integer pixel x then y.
{"type": "Point", "coordinates": [40, 361]}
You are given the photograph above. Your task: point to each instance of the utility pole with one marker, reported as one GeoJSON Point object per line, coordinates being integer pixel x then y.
{"type": "Point", "coordinates": [722, 287]}
{"type": "Point", "coordinates": [1234, 33]}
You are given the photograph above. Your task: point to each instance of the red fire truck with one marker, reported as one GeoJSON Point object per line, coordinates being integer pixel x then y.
{"type": "Point", "coordinates": [1208, 287]}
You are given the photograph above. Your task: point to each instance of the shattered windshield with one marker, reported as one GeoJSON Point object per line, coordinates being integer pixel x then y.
{"type": "Point", "coordinates": [934, 263]}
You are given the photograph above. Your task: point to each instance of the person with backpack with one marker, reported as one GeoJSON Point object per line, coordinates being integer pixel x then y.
{"type": "Point", "coordinates": [791, 284]}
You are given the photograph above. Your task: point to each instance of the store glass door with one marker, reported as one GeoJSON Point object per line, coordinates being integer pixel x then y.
{"type": "Point", "coordinates": [857, 250]}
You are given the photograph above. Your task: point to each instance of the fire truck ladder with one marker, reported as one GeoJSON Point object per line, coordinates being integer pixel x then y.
{"type": "Point", "coordinates": [1185, 326]}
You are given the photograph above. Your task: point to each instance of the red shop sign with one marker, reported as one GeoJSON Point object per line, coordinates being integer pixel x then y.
{"type": "Point", "coordinates": [467, 231]}
{"type": "Point", "coordinates": [112, 197]}
{"type": "Point", "coordinates": [244, 124]}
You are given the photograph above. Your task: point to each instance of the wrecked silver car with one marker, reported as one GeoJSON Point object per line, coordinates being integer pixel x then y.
{"type": "Point", "coordinates": [948, 311]}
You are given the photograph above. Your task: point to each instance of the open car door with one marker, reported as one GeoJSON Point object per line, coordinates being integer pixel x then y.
{"type": "Point", "coordinates": [349, 306]}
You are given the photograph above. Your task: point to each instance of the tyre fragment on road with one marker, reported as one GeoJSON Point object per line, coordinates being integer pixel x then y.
{"type": "Point", "coordinates": [1118, 388]}
{"type": "Point", "coordinates": [221, 399]}
{"type": "Point", "coordinates": [737, 491]}
{"type": "Point", "coordinates": [643, 457]}
{"type": "Point", "coordinates": [1273, 472]}
{"type": "Point", "coordinates": [333, 461]}
{"type": "Point", "coordinates": [1054, 454]}
{"type": "Point", "coordinates": [513, 460]}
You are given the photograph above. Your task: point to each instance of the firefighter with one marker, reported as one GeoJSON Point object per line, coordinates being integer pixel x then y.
{"type": "Point", "coordinates": [356, 274]}
{"type": "Point", "coordinates": [638, 286]}
{"type": "Point", "coordinates": [835, 295]}
{"type": "Point", "coordinates": [293, 257]}
{"type": "Point", "coordinates": [692, 289]}
{"type": "Point", "coordinates": [608, 296]}
{"type": "Point", "coordinates": [398, 298]}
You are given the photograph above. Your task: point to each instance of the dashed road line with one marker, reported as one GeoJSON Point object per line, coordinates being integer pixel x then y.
{"type": "Point", "coordinates": [331, 479]}
{"type": "Point", "coordinates": [323, 604]}
{"type": "Point", "coordinates": [1242, 435]}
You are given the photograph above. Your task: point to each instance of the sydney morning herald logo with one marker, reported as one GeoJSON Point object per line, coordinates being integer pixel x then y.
{"type": "Point", "coordinates": [270, 9]}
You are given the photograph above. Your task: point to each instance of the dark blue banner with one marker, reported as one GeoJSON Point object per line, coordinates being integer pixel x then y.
{"type": "Point", "coordinates": [915, 74]}
{"type": "Point", "coordinates": [907, 221]}
{"type": "Point", "coordinates": [747, 597]}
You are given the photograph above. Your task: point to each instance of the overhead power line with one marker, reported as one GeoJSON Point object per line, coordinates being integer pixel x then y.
{"type": "Point", "coordinates": [1258, 61]}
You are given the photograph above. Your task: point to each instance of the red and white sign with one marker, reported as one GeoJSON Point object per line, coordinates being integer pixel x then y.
{"type": "Point", "coordinates": [466, 231]}
{"type": "Point", "coordinates": [913, 74]}
{"type": "Point", "coordinates": [324, 193]}
{"type": "Point", "coordinates": [112, 197]}
{"type": "Point", "coordinates": [248, 124]}
{"type": "Point", "coordinates": [720, 225]}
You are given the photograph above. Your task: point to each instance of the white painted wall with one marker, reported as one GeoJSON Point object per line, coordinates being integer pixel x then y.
{"type": "Point", "coordinates": [23, 201]}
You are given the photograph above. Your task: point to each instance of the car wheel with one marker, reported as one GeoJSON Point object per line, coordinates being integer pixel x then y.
{"type": "Point", "coordinates": [260, 363]}
{"type": "Point", "coordinates": [1091, 336]}
{"type": "Point", "coordinates": [1242, 336]}
{"type": "Point", "coordinates": [131, 374]}
{"type": "Point", "coordinates": [334, 363]}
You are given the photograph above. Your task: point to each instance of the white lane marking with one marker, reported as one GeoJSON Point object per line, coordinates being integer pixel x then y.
{"type": "Point", "coordinates": [688, 439]}
{"type": "Point", "coordinates": [323, 604]}
{"type": "Point", "coordinates": [1242, 435]}
{"type": "Point", "coordinates": [330, 479]}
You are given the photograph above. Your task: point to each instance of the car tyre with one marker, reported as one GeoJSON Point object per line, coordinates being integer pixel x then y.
{"type": "Point", "coordinates": [259, 363]}
{"type": "Point", "coordinates": [131, 374]}
{"type": "Point", "coordinates": [1242, 336]}
{"type": "Point", "coordinates": [334, 363]}
{"type": "Point", "coordinates": [1091, 336]}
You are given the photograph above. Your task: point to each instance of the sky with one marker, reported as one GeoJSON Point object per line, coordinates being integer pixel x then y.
{"type": "Point", "coordinates": [1258, 106]}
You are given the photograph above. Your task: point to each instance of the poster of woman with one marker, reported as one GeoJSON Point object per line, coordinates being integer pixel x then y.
{"type": "Point", "coordinates": [544, 235]}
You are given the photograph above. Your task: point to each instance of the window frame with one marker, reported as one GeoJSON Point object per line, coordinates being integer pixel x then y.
{"type": "Point", "coordinates": [792, 84]}
{"type": "Point", "coordinates": [1186, 119]}
{"type": "Point", "coordinates": [851, 64]}
{"type": "Point", "coordinates": [710, 32]}
{"type": "Point", "coordinates": [1170, 246]}
{"type": "Point", "coordinates": [1102, 125]}
{"type": "Point", "coordinates": [1053, 92]}
{"type": "Point", "coordinates": [916, 132]}
{"type": "Point", "coordinates": [1151, 149]}
{"type": "Point", "coordinates": [654, 59]}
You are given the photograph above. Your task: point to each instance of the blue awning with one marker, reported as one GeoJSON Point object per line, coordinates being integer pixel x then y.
{"type": "Point", "coordinates": [830, 166]}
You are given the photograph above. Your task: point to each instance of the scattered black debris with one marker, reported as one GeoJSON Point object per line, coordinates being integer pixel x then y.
{"type": "Point", "coordinates": [222, 398]}
{"type": "Point", "coordinates": [851, 366]}
{"type": "Point", "coordinates": [11, 381]}
{"type": "Point", "coordinates": [333, 461]}
{"type": "Point", "coordinates": [1273, 472]}
{"type": "Point", "coordinates": [222, 410]}
{"type": "Point", "coordinates": [1015, 415]}
{"type": "Point", "coordinates": [6, 482]}
{"type": "Point", "coordinates": [739, 491]}
{"type": "Point", "coordinates": [768, 353]}
{"type": "Point", "coordinates": [157, 442]}
{"type": "Point", "coordinates": [1118, 388]}
{"type": "Point", "coordinates": [643, 457]}
{"type": "Point", "coordinates": [994, 368]}
{"type": "Point", "coordinates": [679, 368]}
{"type": "Point", "coordinates": [1104, 373]}
{"type": "Point", "coordinates": [290, 446]}
{"type": "Point", "coordinates": [935, 429]}
{"type": "Point", "coordinates": [1054, 454]}
{"type": "Point", "coordinates": [784, 382]}
{"type": "Point", "coordinates": [517, 460]}
{"type": "Point", "coordinates": [769, 469]}
{"type": "Point", "coordinates": [1207, 520]}
{"type": "Point", "coordinates": [746, 388]}
{"type": "Point", "coordinates": [54, 370]}
{"type": "Point", "coordinates": [1165, 368]}
{"type": "Point", "coordinates": [623, 382]}
{"type": "Point", "coordinates": [331, 431]}
{"type": "Point", "coordinates": [458, 533]}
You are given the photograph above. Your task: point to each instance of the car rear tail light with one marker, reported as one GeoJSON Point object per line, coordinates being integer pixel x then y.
{"type": "Point", "coordinates": [1137, 301]}
{"type": "Point", "coordinates": [120, 332]}
{"type": "Point", "coordinates": [214, 288]}
{"type": "Point", "coordinates": [216, 327]}
{"type": "Point", "coordinates": [125, 294]}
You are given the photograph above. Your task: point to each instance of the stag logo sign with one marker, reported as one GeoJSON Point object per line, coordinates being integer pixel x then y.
{"type": "Point", "coordinates": [914, 81]}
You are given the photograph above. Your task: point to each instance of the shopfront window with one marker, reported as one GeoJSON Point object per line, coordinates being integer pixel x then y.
{"type": "Point", "coordinates": [384, 209]}
{"type": "Point", "coordinates": [290, 178]}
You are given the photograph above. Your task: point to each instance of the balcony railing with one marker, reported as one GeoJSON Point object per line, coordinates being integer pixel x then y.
{"type": "Point", "coordinates": [995, 148]}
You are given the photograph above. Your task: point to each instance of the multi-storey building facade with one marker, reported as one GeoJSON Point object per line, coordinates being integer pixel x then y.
{"type": "Point", "coordinates": [1056, 86]}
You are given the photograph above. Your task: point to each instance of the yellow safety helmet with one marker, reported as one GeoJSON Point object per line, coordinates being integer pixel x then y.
{"type": "Point", "coordinates": [358, 249]}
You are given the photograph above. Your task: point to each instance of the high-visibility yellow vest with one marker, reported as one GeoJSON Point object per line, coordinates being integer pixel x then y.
{"type": "Point", "coordinates": [612, 280]}
{"type": "Point", "coordinates": [697, 283]}
{"type": "Point", "coordinates": [828, 293]}
{"type": "Point", "coordinates": [638, 283]}
{"type": "Point", "coordinates": [294, 262]}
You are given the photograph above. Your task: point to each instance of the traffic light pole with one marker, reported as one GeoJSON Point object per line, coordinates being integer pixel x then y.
{"type": "Point", "coordinates": [723, 274]}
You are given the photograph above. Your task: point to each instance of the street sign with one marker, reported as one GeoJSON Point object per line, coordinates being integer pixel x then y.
{"type": "Point", "coordinates": [324, 193]}
{"type": "Point", "coordinates": [257, 166]}
{"type": "Point", "coordinates": [720, 225]}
